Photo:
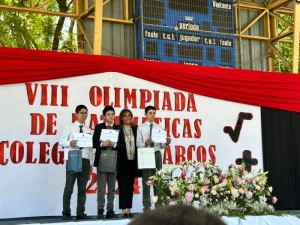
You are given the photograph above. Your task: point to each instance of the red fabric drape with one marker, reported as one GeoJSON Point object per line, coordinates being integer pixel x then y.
{"type": "Point", "coordinates": [273, 90]}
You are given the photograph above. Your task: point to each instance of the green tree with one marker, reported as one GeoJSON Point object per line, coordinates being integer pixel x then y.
{"type": "Point", "coordinates": [38, 31]}
{"type": "Point", "coordinates": [285, 48]}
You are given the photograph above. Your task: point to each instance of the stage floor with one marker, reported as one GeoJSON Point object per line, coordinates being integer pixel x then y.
{"type": "Point", "coordinates": [58, 220]}
{"type": "Point", "coordinates": [291, 219]}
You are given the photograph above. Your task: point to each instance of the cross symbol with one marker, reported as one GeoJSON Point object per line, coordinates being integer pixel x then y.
{"type": "Point", "coordinates": [247, 160]}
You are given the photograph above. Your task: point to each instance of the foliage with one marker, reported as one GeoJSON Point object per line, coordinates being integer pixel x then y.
{"type": "Point", "coordinates": [37, 31]}
{"type": "Point", "coordinates": [204, 185]}
{"type": "Point", "coordinates": [284, 46]}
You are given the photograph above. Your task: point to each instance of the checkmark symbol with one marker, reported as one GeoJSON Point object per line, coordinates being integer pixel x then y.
{"type": "Point", "coordinates": [234, 134]}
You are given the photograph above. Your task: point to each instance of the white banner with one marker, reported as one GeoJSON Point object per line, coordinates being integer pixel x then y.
{"type": "Point", "coordinates": [32, 171]}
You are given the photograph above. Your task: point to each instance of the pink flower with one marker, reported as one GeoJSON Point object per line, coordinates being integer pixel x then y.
{"type": "Point", "coordinates": [183, 174]}
{"type": "Point", "coordinates": [274, 200]}
{"type": "Point", "coordinates": [189, 196]}
{"type": "Point", "coordinates": [241, 190]}
{"type": "Point", "coordinates": [241, 170]}
{"type": "Point", "coordinates": [249, 194]}
{"type": "Point", "coordinates": [223, 176]}
{"type": "Point", "coordinates": [203, 189]}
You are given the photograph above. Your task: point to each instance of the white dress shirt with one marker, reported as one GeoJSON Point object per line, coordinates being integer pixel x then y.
{"type": "Point", "coordinates": [68, 135]}
{"type": "Point", "coordinates": [143, 133]}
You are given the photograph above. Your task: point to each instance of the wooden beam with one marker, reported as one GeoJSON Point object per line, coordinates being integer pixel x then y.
{"type": "Point", "coordinates": [87, 12]}
{"type": "Point", "coordinates": [283, 35]}
{"type": "Point", "coordinates": [84, 33]}
{"type": "Point", "coordinates": [31, 3]}
{"type": "Point", "coordinates": [296, 38]}
{"type": "Point", "coordinates": [250, 6]}
{"type": "Point", "coordinates": [253, 21]}
{"type": "Point", "coordinates": [277, 4]}
{"type": "Point", "coordinates": [275, 50]}
{"type": "Point", "coordinates": [260, 38]}
{"type": "Point", "coordinates": [98, 27]}
{"type": "Point", "coordinates": [281, 19]}
{"type": "Point", "coordinates": [126, 16]}
{"type": "Point", "coordinates": [34, 10]}
{"type": "Point", "coordinates": [43, 4]}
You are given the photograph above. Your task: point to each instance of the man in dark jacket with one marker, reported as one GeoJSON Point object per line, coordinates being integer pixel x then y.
{"type": "Point", "coordinates": [105, 175]}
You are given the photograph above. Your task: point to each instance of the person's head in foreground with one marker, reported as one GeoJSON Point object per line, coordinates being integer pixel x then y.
{"type": "Point", "coordinates": [177, 215]}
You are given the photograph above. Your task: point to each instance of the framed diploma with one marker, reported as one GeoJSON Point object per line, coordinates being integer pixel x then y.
{"type": "Point", "coordinates": [109, 134]}
{"type": "Point", "coordinates": [83, 140]}
{"type": "Point", "coordinates": [146, 158]}
{"type": "Point", "coordinates": [159, 135]}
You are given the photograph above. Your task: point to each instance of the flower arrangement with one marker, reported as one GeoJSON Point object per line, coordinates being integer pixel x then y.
{"type": "Point", "coordinates": [203, 185]}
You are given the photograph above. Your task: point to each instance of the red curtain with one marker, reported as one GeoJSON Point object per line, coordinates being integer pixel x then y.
{"type": "Point", "coordinates": [272, 90]}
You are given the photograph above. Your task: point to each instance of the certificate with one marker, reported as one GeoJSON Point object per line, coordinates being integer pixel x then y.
{"type": "Point", "coordinates": [109, 134]}
{"type": "Point", "coordinates": [146, 158]}
{"type": "Point", "coordinates": [159, 135]}
{"type": "Point", "coordinates": [83, 140]}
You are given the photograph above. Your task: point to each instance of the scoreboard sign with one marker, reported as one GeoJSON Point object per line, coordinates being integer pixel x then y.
{"type": "Point", "coordinates": [196, 32]}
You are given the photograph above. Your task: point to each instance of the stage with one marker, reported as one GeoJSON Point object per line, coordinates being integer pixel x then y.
{"type": "Point", "coordinates": [92, 220]}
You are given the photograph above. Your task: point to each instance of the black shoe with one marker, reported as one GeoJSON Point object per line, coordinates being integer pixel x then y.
{"type": "Point", "coordinates": [100, 215]}
{"type": "Point", "coordinates": [110, 214]}
{"type": "Point", "coordinates": [130, 215]}
{"type": "Point", "coordinates": [81, 217]}
{"type": "Point", "coordinates": [146, 209]}
{"type": "Point", "coordinates": [125, 215]}
{"type": "Point", "coordinates": [66, 216]}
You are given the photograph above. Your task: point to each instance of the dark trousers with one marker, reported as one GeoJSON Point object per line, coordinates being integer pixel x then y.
{"type": "Point", "coordinates": [104, 178]}
{"type": "Point", "coordinates": [82, 179]}
{"type": "Point", "coordinates": [146, 173]}
{"type": "Point", "coordinates": [126, 187]}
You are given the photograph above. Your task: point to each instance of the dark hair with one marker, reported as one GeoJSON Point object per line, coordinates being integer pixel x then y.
{"type": "Point", "coordinates": [122, 113]}
{"type": "Point", "coordinates": [80, 107]}
{"type": "Point", "coordinates": [177, 215]}
{"type": "Point", "coordinates": [107, 108]}
{"type": "Point", "coordinates": [149, 107]}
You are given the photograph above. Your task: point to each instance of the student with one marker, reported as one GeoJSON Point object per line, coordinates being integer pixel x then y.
{"type": "Point", "coordinates": [177, 215]}
{"type": "Point", "coordinates": [144, 140]}
{"type": "Point", "coordinates": [127, 168]}
{"type": "Point", "coordinates": [105, 178]}
{"type": "Point", "coordinates": [68, 143]}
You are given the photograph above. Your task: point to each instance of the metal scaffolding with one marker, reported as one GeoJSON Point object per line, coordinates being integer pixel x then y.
{"type": "Point", "coordinates": [267, 14]}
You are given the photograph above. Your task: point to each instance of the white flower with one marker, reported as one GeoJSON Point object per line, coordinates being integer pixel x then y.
{"type": "Point", "coordinates": [270, 189]}
{"type": "Point", "coordinates": [221, 194]}
{"type": "Point", "coordinates": [172, 203]}
{"type": "Point", "coordinates": [154, 199]}
{"type": "Point", "coordinates": [216, 180]}
{"type": "Point", "coordinates": [234, 192]}
{"type": "Point", "coordinates": [213, 192]}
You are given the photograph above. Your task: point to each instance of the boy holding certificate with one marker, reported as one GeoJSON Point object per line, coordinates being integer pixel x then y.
{"type": "Point", "coordinates": [144, 140]}
{"type": "Point", "coordinates": [70, 143]}
{"type": "Point", "coordinates": [105, 141]}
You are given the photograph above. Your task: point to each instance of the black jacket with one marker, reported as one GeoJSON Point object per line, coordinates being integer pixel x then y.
{"type": "Point", "coordinates": [97, 142]}
{"type": "Point", "coordinates": [123, 168]}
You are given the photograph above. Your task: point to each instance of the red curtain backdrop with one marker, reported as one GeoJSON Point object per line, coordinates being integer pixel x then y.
{"type": "Point", "coordinates": [272, 90]}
